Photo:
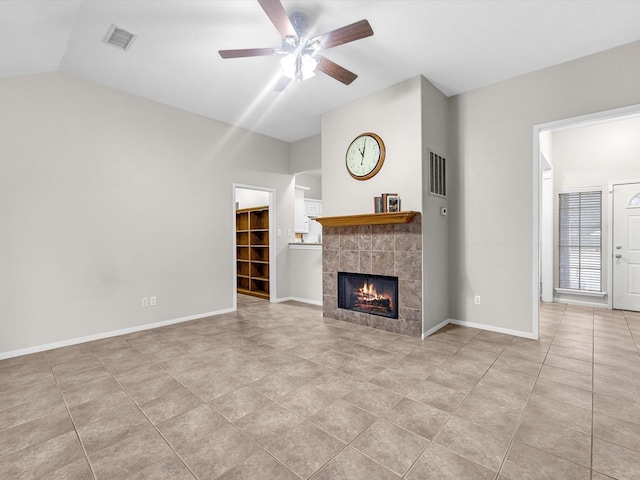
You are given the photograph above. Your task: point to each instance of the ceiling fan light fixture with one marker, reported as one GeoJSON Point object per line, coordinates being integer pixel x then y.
{"type": "Point", "coordinates": [301, 54]}
{"type": "Point", "coordinates": [298, 67]}
{"type": "Point", "coordinates": [289, 43]}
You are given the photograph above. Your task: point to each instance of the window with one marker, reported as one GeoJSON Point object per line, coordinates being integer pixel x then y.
{"type": "Point", "coordinates": [580, 245]}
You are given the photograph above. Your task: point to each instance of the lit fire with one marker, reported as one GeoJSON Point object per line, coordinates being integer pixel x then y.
{"type": "Point", "coordinates": [367, 296]}
{"type": "Point", "coordinates": [368, 292]}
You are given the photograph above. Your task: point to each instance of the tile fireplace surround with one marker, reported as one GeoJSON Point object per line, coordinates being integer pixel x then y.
{"type": "Point", "coordinates": [379, 250]}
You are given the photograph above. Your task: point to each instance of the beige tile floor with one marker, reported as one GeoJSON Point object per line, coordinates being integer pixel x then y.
{"type": "Point", "coordinates": [276, 392]}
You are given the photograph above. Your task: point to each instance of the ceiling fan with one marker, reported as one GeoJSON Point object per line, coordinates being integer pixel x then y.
{"type": "Point", "coordinates": [300, 53]}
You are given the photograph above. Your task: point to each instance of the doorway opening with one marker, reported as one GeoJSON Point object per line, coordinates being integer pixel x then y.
{"type": "Point", "coordinates": [254, 263]}
{"type": "Point", "coordinates": [549, 152]}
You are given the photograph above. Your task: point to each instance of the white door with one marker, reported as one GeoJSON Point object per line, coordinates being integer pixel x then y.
{"type": "Point", "coordinates": [626, 246]}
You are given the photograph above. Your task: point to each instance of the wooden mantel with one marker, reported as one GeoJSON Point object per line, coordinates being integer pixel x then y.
{"type": "Point", "coordinates": [368, 219]}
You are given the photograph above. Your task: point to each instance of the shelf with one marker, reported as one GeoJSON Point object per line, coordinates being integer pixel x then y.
{"type": "Point", "coordinates": [254, 293]}
{"type": "Point", "coordinates": [368, 219]}
{"type": "Point", "coordinates": [252, 252]}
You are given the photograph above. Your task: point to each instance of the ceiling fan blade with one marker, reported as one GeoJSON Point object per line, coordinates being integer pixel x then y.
{"type": "Point", "coordinates": [336, 71]}
{"type": "Point", "coordinates": [346, 34]}
{"type": "Point", "coordinates": [278, 16]}
{"type": "Point", "coordinates": [283, 82]}
{"type": "Point", "coordinates": [247, 52]}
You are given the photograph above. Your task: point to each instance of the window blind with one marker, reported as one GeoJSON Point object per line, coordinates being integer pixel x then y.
{"type": "Point", "coordinates": [580, 241]}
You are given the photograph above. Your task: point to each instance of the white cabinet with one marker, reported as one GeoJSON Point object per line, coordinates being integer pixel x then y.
{"type": "Point", "coordinates": [312, 207]}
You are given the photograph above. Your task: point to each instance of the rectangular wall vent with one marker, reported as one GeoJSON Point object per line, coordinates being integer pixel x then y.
{"type": "Point", "coordinates": [437, 175]}
{"type": "Point", "coordinates": [119, 38]}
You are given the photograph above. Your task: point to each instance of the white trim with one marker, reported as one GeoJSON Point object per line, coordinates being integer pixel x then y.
{"type": "Point", "coordinates": [282, 299]}
{"type": "Point", "coordinates": [506, 331]}
{"type": "Point", "coordinates": [598, 117]}
{"type": "Point", "coordinates": [272, 241]}
{"type": "Point", "coordinates": [621, 182]}
{"type": "Point", "coordinates": [595, 188]}
{"type": "Point", "coordinates": [298, 299]}
{"type": "Point", "coordinates": [592, 118]}
{"type": "Point", "coordinates": [305, 300]}
{"type": "Point", "coordinates": [546, 232]}
{"type": "Point", "coordinates": [433, 330]}
{"type": "Point", "coordinates": [584, 293]}
{"type": "Point", "coordinates": [305, 246]}
{"type": "Point", "coordinates": [535, 271]}
{"type": "Point", "coordinates": [113, 333]}
{"type": "Point", "coordinates": [580, 303]}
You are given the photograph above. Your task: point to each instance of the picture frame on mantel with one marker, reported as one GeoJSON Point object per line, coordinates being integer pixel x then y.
{"type": "Point", "coordinates": [393, 203]}
{"type": "Point", "coordinates": [385, 201]}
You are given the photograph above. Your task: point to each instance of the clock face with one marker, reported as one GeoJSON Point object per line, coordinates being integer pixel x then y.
{"type": "Point", "coordinates": [365, 156]}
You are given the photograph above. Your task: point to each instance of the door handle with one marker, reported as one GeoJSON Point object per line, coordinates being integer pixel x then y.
{"type": "Point", "coordinates": [618, 255]}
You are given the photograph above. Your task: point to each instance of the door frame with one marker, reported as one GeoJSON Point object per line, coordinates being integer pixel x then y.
{"type": "Point", "coordinates": [598, 117]}
{"type": "Point", "coordinates": [272, 241]}
{"type": "Point", "coordinates": [611, 251]}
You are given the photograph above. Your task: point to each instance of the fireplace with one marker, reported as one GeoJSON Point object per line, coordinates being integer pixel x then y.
{"type": "Point", "coordinates": [371, 294]}
{"type": "Point", "coordinates": [375, 249]}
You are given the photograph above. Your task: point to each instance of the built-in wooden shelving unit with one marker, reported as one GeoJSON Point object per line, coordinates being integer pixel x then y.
{"type": "Point", "coordinates": [252, 251]}
{"type": "Point", "coordinates": [368, 219]}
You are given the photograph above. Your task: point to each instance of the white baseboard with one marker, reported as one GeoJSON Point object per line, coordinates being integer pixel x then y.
{"type": "Point", "coordinates": [298, 299]}
{"type": "Point", "coordinates": [435, 329]}
{"type": "Point", "coordinates": [306, 300]}
{"type": "Point", "coordinates": [481, 326]}
{"type": "Point", "coordinates": [113, 333]}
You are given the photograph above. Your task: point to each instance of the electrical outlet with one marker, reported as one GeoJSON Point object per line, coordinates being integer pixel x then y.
{"type": "Point", "coordinates": [477, 300]}
{"type": "Point", "coordinates": [144, 302]}
{"type": "Point", "coordinates": [152, 301]}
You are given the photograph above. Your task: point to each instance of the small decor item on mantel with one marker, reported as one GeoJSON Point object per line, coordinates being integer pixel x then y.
{"type": "Point", "coordinates": [377, 203]}
{"type": "Point", "coordinates": [393, 203]}
{"type": "Point", "coordinates": [390, 206]}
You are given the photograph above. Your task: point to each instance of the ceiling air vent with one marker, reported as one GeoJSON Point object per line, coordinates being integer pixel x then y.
{"type": "Point", "coordinates": [119, 38]}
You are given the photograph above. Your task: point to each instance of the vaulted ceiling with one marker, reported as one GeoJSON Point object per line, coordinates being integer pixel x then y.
{"type": "Point", "coordinates": [458, 45]}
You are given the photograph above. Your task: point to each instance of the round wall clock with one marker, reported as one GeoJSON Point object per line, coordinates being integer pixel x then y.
{"type": "Point", "coordinates": [365, 156]}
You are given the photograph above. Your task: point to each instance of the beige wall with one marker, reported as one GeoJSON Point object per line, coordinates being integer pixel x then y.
{"type": "Point", "coordinates": [435, 227]}
{"type": "Point", "coordinates": [306, 155]}
{"type": "Point", "coordinates": [395, 115]}
{"type": "Point", "coordinates": [106, 198]}
{"type": "Point", "coordinates": [313, 182]}
{"type": "Point", "coordinates": [492, 206]}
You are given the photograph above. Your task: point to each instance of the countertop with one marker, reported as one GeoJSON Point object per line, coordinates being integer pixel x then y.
{"type": "Point", "coordinates": [305, 246]}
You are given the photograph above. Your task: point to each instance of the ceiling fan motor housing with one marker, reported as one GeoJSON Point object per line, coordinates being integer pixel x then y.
{"type": "Point", "coordinates": [300, 22]}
